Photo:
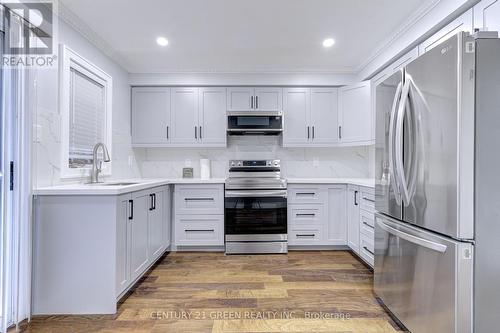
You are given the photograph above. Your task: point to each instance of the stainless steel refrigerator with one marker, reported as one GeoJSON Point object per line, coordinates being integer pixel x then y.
{"type": "Point", "coordinates": [437, 230]}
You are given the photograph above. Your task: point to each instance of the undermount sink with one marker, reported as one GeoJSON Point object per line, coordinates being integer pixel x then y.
{"type": "Point", "coordinates": [113, 184]}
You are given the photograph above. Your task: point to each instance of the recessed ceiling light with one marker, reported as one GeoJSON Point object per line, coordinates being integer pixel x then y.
{"type": "Point", "coordinates": [328, 42]}
{"type": "Point", "coordinates": [162, 41]}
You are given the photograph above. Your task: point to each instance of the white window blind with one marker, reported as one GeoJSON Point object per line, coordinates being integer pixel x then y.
{"type": "Point", "coordinates": [87, 118]}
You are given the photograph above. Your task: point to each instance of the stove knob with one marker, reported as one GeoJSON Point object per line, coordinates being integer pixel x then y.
{"type": "Point", "coordinates": [269, 163]}
{"type": "Point", "coordinates": [232, 164]}
{"type": "Point", "coordinates": [275, 163]}
{"type": "Point", "coordinates": [239, 163]}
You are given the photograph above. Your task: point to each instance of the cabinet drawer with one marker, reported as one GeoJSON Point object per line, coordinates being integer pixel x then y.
{"type": "Point", "coordinates": [193, 230]}
{"type": "Point", "coordinates": [305, 235]}
{"type": "Point", "coordinates": [367, 199]}
{"type": "Point", "coordinates": [199, 199]}
{"type": "Point", "coordinates": [299, 194]}
{"type": "Point", "coordinates": [367, 249]}
{"type": "Point", "coordinates": [306, 215]}
{"type": "Point", "coordinates": [367, 224]}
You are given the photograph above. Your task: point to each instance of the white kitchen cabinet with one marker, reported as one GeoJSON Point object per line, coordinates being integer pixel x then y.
{"type": "Point", "coordinates": [487, 15]}
{"type": "Point", "coordinates": [310, 117]}
{"type": "Point", "coordinates": [184, 116]}
{"type": "Point", "coordinates": [324, 116]}
{"type": "Point", "coordinates": [337, 218]}
{"type": "Point", "coordinates": [254, 99]}
{"type": "Point", "coordinates": [462, 23]}
{"type": "Point", "coordinates": [356, 114]}
{"type": "Point", "coordinates": [296, 113]}
{"type": "Point", "coordinates": [122, 241]}
{"type": "Point", "coordinates": [212, 117]}
{"type": "Point", "coordinates": [138, 231]}
{"type": "Point", "coordinates": [353, 217]}
{"type": "Point", "coordinates": [156, 224]}
{"type": "Point", "coordinates": [198, 215]}
{"type": "Point", "coordinates": [316, 215]}
{"type": "Point", "coordinates": [150, 115]}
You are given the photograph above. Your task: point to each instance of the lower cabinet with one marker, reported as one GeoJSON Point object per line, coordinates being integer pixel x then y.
{"type": "Point", "coordinates": [353, 217]}
{"type": "Point", "coordinates": [316, 214]}
{"type": "Point", "coordinates": [143, 233]}
{"type": "Point", "coordinates": [198, 215]}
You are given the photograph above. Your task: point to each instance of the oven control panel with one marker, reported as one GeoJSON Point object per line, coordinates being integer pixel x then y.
{"type": "Point", "coordinates": [254, 163]}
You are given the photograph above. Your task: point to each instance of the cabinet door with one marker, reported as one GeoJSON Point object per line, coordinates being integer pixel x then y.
{"type": "Point", "coordinates": [353, 218]}
{"type": "Point", "coordinates": [337, 217]}
{"type": "Point", "coordinates": [324, 115]}
{"type": "Point", "coordinates": [122, 241]}
{"type": "Point", "coordinates": [138, 227]}
{"type": "Point", "coordinates": [461, 23]}
{"type": "Point", "coordinates": [296, 115]}
{"type": "Point", "coordinates": [185, 116]}
{"type": "Point", "coordinates": [240, 99]}
{"type": "Point", "coordinates": [268, 99]}
{"type": "Point", "coordinates": [156, 224]}
{"type": "Point", "coordinates": [150, 115]}
{"type": "Point", "coordinates": [355, 115]}
{"type": "Point", "coordinates": [487, 15]}
{"type": "Point", "coordinates": [213, 119]}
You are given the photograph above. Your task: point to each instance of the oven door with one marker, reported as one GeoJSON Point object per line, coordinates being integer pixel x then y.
{"type": "Point", "coordinates": [254, 124]}
{"type": "Point", "coordinates": [252, 212]}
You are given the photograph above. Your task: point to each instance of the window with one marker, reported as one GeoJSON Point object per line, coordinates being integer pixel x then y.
{"type": "Point", "coordinates": [85, 113]}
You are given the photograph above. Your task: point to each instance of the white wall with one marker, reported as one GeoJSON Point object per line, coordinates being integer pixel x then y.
{"type": "Point", "coordinates": [47, 120]}
{"type": "Point", "coordinates": [296, 162]}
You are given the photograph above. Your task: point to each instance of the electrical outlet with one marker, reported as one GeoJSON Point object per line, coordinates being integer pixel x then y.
{"type": "Point", "coordinates": [187, 163]}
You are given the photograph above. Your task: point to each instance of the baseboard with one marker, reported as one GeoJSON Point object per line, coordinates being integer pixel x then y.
{"type": "Point", "coordinates": [317, 247]}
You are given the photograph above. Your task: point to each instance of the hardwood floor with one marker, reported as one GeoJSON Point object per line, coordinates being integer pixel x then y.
{"type": "Point", "coordinates": [324, 291]}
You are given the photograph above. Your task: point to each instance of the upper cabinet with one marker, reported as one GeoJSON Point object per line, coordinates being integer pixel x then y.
{"type": "Point", "coordinates": [310, 117]}
{"type": "Point", "coordinates": [356, 114]}
{"type": "Point", "coordinates": [151, 115]}
{"type": "Point", "coordinates": [179, 117]}
{"type": "Point", "coordinates": [487, 15]}
{"type": "Point", "coordinates": [461, 23]}
{"type": "Point", "coordinates": [254, 99]}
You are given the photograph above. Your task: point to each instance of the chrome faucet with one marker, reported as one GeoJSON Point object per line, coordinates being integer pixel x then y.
{"type": "Point", "coordinates": [97, 168]}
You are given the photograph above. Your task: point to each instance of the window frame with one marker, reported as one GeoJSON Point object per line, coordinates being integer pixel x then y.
{"type": "Point", "coordinates": [70, 59]}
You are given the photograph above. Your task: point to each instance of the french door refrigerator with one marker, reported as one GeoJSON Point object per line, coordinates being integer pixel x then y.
{"type": "Point", "coordinates": [437, 230]}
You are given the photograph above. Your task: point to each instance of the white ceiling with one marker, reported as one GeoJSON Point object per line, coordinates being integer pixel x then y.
{"type": "Point", "coordinates": [243, 35]}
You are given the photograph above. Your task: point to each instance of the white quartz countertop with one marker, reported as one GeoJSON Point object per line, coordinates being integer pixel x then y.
{"type": "Point", "coordinates": [100, 189]}
{"type": "Point", "coordinates": [367, 182]}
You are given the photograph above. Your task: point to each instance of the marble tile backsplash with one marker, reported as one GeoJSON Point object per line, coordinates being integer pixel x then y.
{"type": "Point", "coordinates": [296, 162]}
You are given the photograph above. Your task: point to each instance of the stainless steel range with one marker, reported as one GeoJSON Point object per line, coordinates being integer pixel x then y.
{"type": "Point", "coordinates": [255, 208]}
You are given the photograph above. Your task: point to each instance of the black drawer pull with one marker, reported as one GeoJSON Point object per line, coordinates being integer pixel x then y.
{"type": "Point", "coordinates": [306, 193]}
{"type": "Point", "coordinates": [368, 225]}
{"type": "Point", "coordinates": [368, 199]}
{"type": "Point", "coordinates": [199, 199]}
{"type": "Point", "coordinates": [367, 250]}
{"type": "Point", "coordinates": [199, 230]}
{"type": "Point", "coordinates": [305, 214]}
{"type": "Point", "coordinates": [131, 216]}
{"type": "Point", "coordinates": [305, 235]}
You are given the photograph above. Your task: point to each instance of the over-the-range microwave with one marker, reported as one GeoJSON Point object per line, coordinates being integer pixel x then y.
{"type": "Point", "coordinates": [254, 123]}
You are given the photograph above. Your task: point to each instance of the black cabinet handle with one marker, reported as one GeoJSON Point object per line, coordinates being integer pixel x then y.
{"type": "Point", "coordinates": [199, 230]}
{"type": "Point", "coordinates": [151, 202]}
{"type": "Point", "coordinates": [313, 132]}
{"type": "Point", "coordinates": [368, 225]}
{"type": "Point", "coordinates": [167, 131]}
{"type": "Point", "coordinates": [251, 102]}
{"type": "Point", "coordinates": [196, 132]}
{"type": "Point", "coordinates": [306, 193]}
{"type": "Point", "coordinates": [308, 135]}
{"type": "Point", "coordinates": [256, 102]}
{"type": "Point", "coordinates": [368, 199]}
{"type": "Point", "coordinates": [355, 198]}
{"type": "Point", "coordinates": [131, 203]}
{"type": "Point", "coordinates": [154, 201]}
{"type": "Point", "coordinates": [367, 250]}
{"type": "Point", "coordinates": [340, 132]}
{"type": "Point", "coordinates": [199, 199]}
{"type": "Point", "coordinates": [200, 133]}
{"type": "Point", "coordinates": [305, 235]}
{"type": "Point", "coordinates": [305, 214]}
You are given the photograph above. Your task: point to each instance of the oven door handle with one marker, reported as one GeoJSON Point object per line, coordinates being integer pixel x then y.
{"type": "Point", "coordinates": [255, 193]}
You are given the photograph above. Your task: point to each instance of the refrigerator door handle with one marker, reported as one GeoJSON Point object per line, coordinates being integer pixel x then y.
{"type": "Point", "coordinates": [414, 141]}
{"type": "Point", "coordinates": [392, 166]}
{"type": "Point", "coordinates": [400, 173]}
{"type": "Point", "coordinates": [412, 238]}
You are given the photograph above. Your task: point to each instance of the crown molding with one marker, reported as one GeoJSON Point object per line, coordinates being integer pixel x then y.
{"type": "Point", "coordinates": [421, 12]}
{"type": "Point", "coordinates": [74, 21]}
